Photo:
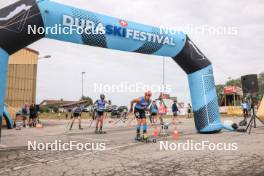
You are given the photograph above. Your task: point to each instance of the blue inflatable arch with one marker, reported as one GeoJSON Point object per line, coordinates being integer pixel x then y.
{"type": "Point", "coordinates": [22, 23]}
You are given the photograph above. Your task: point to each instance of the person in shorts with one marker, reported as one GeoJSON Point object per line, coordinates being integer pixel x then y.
{"type": "Point", "coordinates": [100, 109]}
{"type": "Point", "coordinates": [153, 112]}
{"type": "Point", "coordinates": [76, 114]}
{"type": "Point", "coordinates": [141, 105]}
{"type": "Point", "coordinates": [24, 113]}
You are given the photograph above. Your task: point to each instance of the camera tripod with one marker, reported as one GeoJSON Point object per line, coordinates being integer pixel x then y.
{"type": "Point", "coordinates": [252, 121]}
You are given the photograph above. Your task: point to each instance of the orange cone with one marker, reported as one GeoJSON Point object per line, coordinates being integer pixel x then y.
{"type": "Point", "coordinates": [175, 134]}
{"type": "Point", "coordinates": [39, 125]}
{"type": "Point", "coordinates": [156, 132]}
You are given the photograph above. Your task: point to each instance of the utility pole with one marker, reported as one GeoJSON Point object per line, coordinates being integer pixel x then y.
{"type": "Point", "coordinates": [82, 83]}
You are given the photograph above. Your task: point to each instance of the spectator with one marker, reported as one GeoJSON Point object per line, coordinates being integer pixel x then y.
{"type": "Point", "coordinates": [162, 110]}
{"type": "Point", "coordinates": [175, 109]}
{"type": "Point", "coordinates": [25, 113]}
{"type": "Point", "coordinates": [189, 110]}
{"type": "Point", "coordinates": [245, 107]}
{"type": "Point", "coordinates": [153, 112]}
{"type": "Point", "coordinates": [33, 113]}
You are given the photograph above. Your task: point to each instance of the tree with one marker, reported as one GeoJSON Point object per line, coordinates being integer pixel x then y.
{"type": "Point", "coordinates": [88, 99]}
{"type": "Point", "coordinates": [219, 91]}
{"type": "Point", "coordinates": [234, 82]}
{"type": "Point", "coordinates": [261, 84]}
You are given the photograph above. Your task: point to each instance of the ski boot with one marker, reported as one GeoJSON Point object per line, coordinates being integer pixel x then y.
{"type": "Point", "coordinates": [138, 138]}
{"type": "Point", "coordinates": [101, 131]}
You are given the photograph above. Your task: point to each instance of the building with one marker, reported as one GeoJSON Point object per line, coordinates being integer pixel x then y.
{"type": "Point", "coordinates": [22, 78]}
{"type": "Point", "coordinates": [63, 106]}
{"type": "Point", "coordinates": [54, 103]}
{"type": "Point", "coordinates": [230, 100]}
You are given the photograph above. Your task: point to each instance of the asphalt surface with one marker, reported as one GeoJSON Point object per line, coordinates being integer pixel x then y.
{"type": "Point", "coordinates": [124, 156]}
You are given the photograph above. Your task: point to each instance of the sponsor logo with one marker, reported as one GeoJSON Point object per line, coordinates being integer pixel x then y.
{"type": "Point", "coordinates": [139, 35]}
{"type": "Point", "coordinates": [117, 31]}
{"type": "Point", "coordinates": [90, 27]}
{"type": "Point", "coordinates": [123, 23]}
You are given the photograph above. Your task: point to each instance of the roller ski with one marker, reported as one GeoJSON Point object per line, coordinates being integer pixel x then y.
{"type": "Point", "coordinates": [99, 131]}
{"type": "Point", "coordinates": [145, 138]}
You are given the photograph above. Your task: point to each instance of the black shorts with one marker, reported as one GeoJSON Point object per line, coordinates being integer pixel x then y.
{"type": "Point", "coordinates": [100, 113]}
{"type": "Point", "coordinates": [154, 114]}
{"type": "Point", "coordinates": [76, 115]}
{"type": "Point", "coordinates": [140, 113]}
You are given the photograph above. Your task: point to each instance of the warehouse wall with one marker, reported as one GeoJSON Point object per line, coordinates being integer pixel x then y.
{"type": "Point", "coordinates": [22, 77]}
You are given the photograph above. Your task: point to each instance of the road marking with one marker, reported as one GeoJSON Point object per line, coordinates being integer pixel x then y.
{"type": "Point", "coordinates": [34, 158]}
{"type": "Point", "coordinates": [3, 146]}
{"type": "Point", "coordinates": [105, 140]}
{"type": "Point", "coordinates": [121, 146]}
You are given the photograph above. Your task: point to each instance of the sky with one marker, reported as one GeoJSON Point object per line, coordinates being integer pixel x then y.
{"type": "Point", "coordinates": [234, 53]}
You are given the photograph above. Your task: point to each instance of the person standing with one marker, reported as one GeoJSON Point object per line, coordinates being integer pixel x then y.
{"type": "Point", "coordinates": [76, 114]}
{"type": "Point", "coordinates": [245, 107]}
{"type": "Point", "coordinates": [189, 111]}
{"type": "Point", "coordinates": [100, 108]}
{"type": "Point", "coordinates": [25, 113]}
{"type": "Point", "coordinates": [141, 105]}
{"type": "Point", "coordinates": [162, 110]}
{"type": "Point", "coordinates": [175, 110]}
{"type": "Point", "coordinates": [153, 112]}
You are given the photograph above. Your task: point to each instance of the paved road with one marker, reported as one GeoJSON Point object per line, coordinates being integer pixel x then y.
{"type": "Point", "coordinates": [124, 156]}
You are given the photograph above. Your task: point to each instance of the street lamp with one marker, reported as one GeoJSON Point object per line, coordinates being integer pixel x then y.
{"type": "Point", "coordinates": [82, 83]}
{"type": "Point", "coordinates": [44, 57]}
{"type": "Point", "coordinates": [163, 74]}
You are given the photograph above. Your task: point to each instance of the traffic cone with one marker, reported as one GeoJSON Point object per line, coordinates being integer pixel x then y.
{"type": "Point", "coordinates": [39, 125]}
{"type": "Point", "coordinates": [175, 134]}
{"type": "Point", "coordinates": [156, 132]}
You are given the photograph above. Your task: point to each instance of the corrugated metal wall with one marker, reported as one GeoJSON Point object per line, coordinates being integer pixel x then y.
{"type": "Point", "coordinates": [22, 77]}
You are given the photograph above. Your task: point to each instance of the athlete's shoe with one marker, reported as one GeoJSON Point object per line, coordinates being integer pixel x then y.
{"type": "Point", "coordinates": [138, 138]}
{"type": "Point", "coordinates": [101, 132]}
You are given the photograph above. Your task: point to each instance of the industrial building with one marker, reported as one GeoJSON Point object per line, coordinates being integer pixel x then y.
{"type": "Point", "coordinates": [21, 81]}
{"type": "Point", "coordinates": [22, 78]}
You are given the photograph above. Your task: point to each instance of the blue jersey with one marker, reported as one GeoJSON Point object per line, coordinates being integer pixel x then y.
{"type": "Point", "coordinates": [100, 105]}
{"type": "Point", "coordinates": [77, 110]}
{"type": "Point", "coordinates": [142, 104]}
{"type": "Point", "coordinates": [154, 109]}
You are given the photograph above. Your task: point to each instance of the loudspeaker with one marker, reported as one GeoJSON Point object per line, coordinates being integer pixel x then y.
{"type": "Point", "coordinates": [250, 83]}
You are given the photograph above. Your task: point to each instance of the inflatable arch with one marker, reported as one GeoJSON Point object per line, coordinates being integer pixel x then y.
{"type": "Point", "coordinates": [21, 24]}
